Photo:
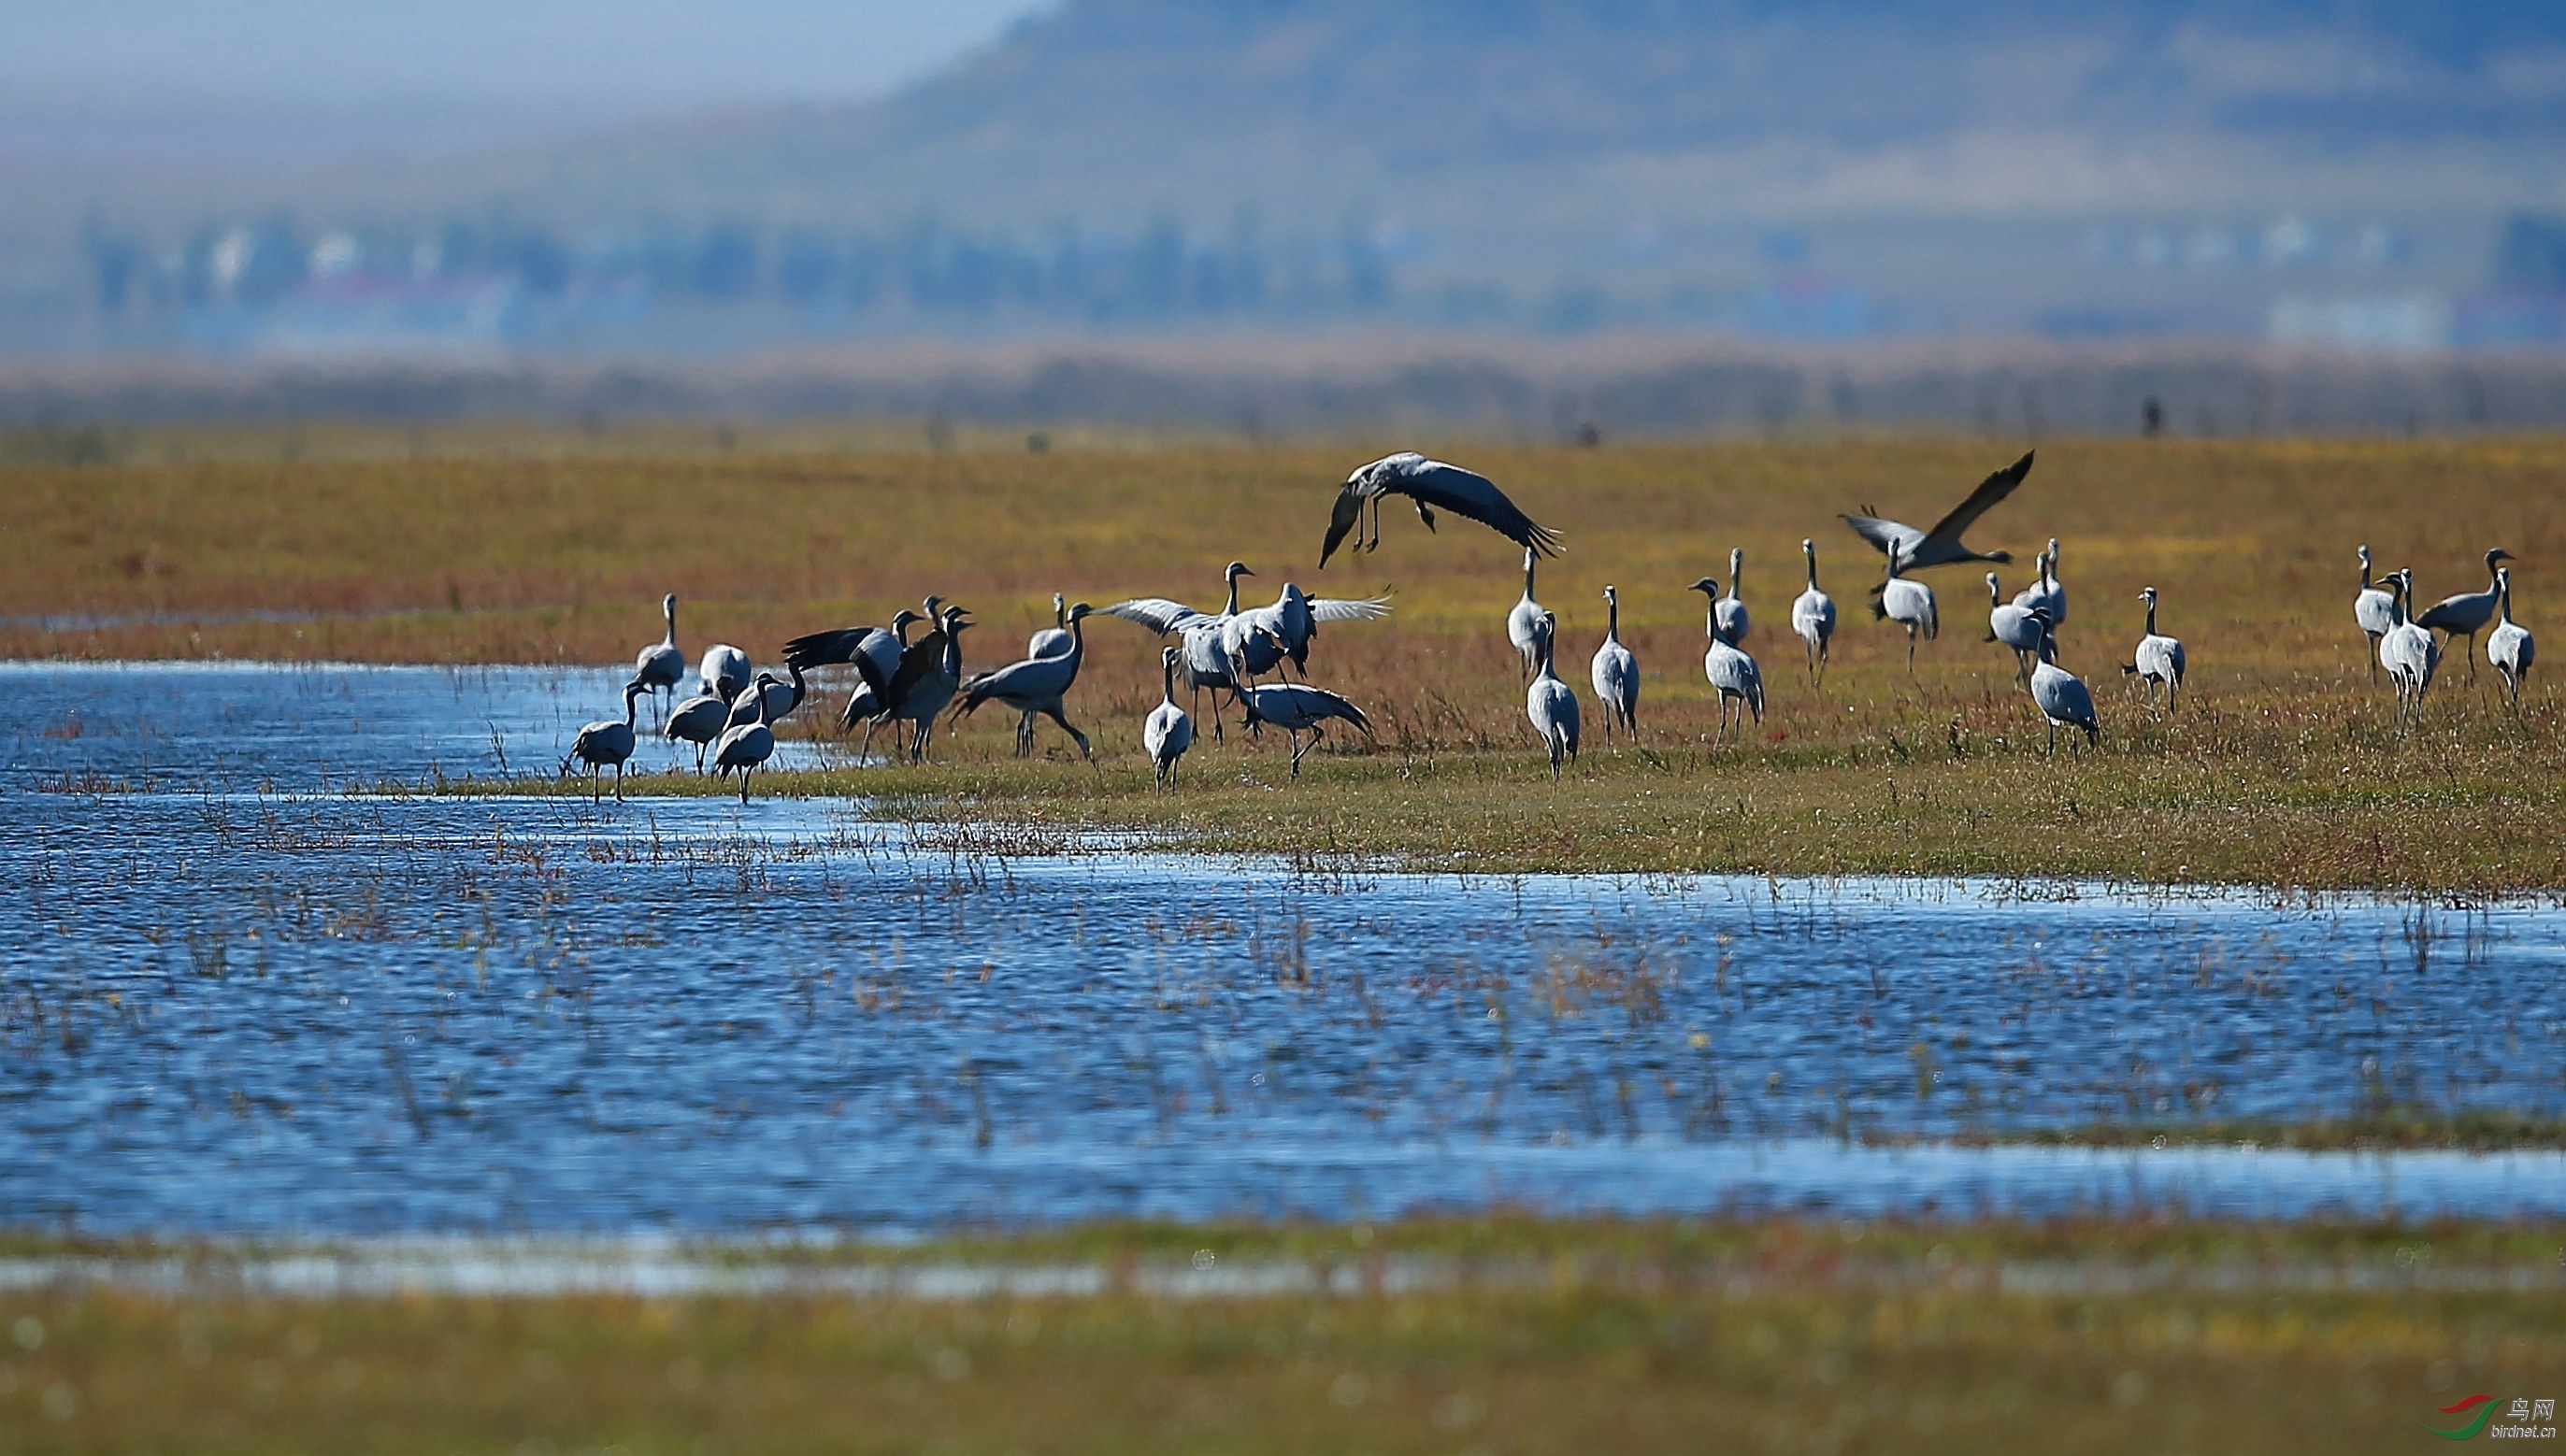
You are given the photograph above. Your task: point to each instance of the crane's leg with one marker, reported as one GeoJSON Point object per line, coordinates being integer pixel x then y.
{"type": "Point", "coordinates": [2374, 657]}
{"type": "Point", "coordinates": [2472, 655]}
{"type": "Point", "coordinates": [619, 782]}
{"type": "Point", "coordinates": [1823, 644]}
{"type": "Point", "coordinates": [1910, 651]}
{"type": "Point", "coordinates": [1062, 718]}
{"type": "Point", "coordinates": [2053, 735]}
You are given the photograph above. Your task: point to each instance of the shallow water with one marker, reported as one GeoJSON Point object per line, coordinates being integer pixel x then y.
{"type": "Point", "coordinates": [234, 996]}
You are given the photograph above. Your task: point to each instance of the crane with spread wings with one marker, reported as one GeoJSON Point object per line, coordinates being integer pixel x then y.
{"type": "Point", "coordinates": [1430, 485]}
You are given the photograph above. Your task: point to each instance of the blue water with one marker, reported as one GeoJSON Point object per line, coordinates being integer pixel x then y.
{"type": "Point", "coordinates": [243, 988]}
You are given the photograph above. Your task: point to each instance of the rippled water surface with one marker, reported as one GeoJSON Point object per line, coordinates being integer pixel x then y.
{"type": "Point", "coordinates": [236, 995]}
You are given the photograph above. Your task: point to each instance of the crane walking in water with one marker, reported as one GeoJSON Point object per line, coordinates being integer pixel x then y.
{"type": "Point", "coordinates": [660, 667]}
{"type": "Point", "coordinates": [1615, 675]}
{"type": "Point", "coordinates": [2159, 659]}
{"type": "Point", "coordinates": [749, 744]}
{"type": "Point", "coordinates": [698, 720]}
{"type": "Point", "coordinates": [607, 742]}
{"type": "Point", "coordinates": [1548, 702]}
{"type": "Point", "coordinates": [1813, 616]}
{"type": "Point", "coordinates": [1169, 730]}
{"type": "Point", "coordinates": [1430, 484]}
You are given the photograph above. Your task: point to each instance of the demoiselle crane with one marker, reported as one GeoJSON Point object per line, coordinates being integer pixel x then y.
{"type": "Point", "coordinates": [1206, 659]}
{"type": "Point", "coordinates": [2045, 593]}
{"type": "Point", "coordinates": [882, 647]}
{"type": "Point", "coordinates": [660, 667]}
{"type": "Point", "coordinates": [1298, 708]}
{"type": "Point", "coordinates": [1430, 485]}
{"type": "Point", "coordinates": [607, 742]}
{"type": "Point", "coordinates": [1737, 679]}
{"type": "Point", "coordinates": [2465, 614]}
{"type": "Point", "coordinates": [1941, 545]}
{"type": "Point", "coordinates": [1523, 622]}
{"type": "Point", "coordinates": [724, 671]}
{"type": "Point", "coordinates": [1908, 604]}
{"type": "Point", "coordinates": [1548, 702]}
{"type": "Point", "coordinates": [1813, 616]}
{"type": "Point", "coordinates": [1294, 615]}
{"type": "Point", "coordinates": [2061, 696]}
{"type": "Point", "coordinates": [779, 700]}
{"type": "Point", "coordinates": [930, 672]}
{"type": "Point", "coordinates": [2408, 652]}
{"type": "Point", "coordinates": [1036, 686]}
{"type": "Point", "coordinates": [746, 745]}
{"type": "Point", "coordinates": [1053, 641]}
{"type": "Point", "coordinates": [1169, 730]}
{"type": "Point", "coordinates": [1728, 613]}
{"type": "Point", "coordinates": [2012, 626]}
{"type": "Point", "coordinates": [2509, 646]}
{"type": "Point", "coordinates": [2158, 658]}
{"type": "Point", "coordinates": [1615, 675]}
{"type": "Point", "coordinates": [698, 720]}
{"type": "Point", "coordinates": [2374, 608]}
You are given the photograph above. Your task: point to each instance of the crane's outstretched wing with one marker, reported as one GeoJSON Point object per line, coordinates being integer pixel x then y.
{"type": "Point", "coordinates": [829, 648]}
{"type": "Point", "coordinates": [1348, 608]}
{"type": "Point", "coordinates": [1990, 490]}
{"type": "Point", "coordinates": [1158, 613]}
{"type": "Point", "coordinates": [1469, 493]}
{"type": "Point", "coordinates": [1884, 534]}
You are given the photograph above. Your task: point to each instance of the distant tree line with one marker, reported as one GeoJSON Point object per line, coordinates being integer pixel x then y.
{"type": "Point", "coordinates": [1161, 272]}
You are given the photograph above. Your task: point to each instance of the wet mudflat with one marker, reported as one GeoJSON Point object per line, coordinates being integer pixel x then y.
{"type": "Point", "coordinates": [236, 996]}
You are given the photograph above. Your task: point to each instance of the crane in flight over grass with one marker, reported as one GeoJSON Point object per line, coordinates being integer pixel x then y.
{"type": "Point", "coordinates": [1432, 485]}
{"type": "Point", "coordinates": [1941, 546]}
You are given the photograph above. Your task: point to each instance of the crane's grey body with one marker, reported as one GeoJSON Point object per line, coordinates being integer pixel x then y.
{"type": "Point", "coordinates": [607, 742]}
{"type": "Point", "coordinates": [2061, 696]}
{"type": "Point", "coordinates": [1429, 485]}
{"type": "Point", "coordinates": [724, 671]}
{"type": "Point", "coordinates": [2158, 658]}
{"type": "Point", "coordinates": [2012, 623]}
{"type": "Point", "coordinates": [930, 673]}
{"type": "Point", "coordinates": [2408, 651]}
{"type": "Point", "coordinates": [1169, 730]}
{"type": "Point", "coordinates": [2374, 608]}
{"type": "Point", "coordinates": [1813, 616]}
{"type": "Point", "coordinates": [1206, 661]}
{"type": "Point", "coordinates": [880, 647]}
{"type": "Point", "coordinates": [1908, 604]}
{"type": "Point", "coordinates": [2509, 646]}
{"type": "Point", "coordinates": [660, 667]}
{"type": "Point", "coordinates": [776, 698]}
{"type": "Point", "coordinates": [1615, 675]}
{"type": "Point", "coordinates": [1548, 702]}
{"type": "Point", "coordinates": [1728, 613]}
{"type": "Point", "coordinates": [1941, 546]}
{"type": "Point", "coordinates": [1298, 708]}
{"type": "Point", "coordinates": [1054, 640]}
{"type": "Point", "coordinates": [2465, 614]}
{"type": "Point", "coordinates": [698, 720]}
{"type": "Point", "coordinates": [745, 746]}
{"type": "Point", "coordinates": [2045, 594]}
{"type": "Point", "coordinates": [1036, 686]}
{"type": "Point", "coordinates": [1523, 622]}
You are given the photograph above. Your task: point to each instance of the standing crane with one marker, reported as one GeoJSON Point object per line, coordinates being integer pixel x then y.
{"type": "Point", "coordinates": [1523, 624]}
{"type": "Point", "coordinates": [2061, 696]}
{"type": "Point", "coordinates": [747, 745]}
{"type": "Point", "coordinates": [1169, 730]}
{"type": "Point", "coordinates": [1813, 616]}
{"type": "Point", "coordinates": [2409, 651]}
{"type": "Point", "coordinates": [2374, 608]}
{"type": "Point", "coordinates": [605, 742]}
{"type": "Point", "coordinates": [1036, 686]}
{"type": "Point", "coordinates": [724, 671]}
{"type": "Point", "coordinates": [2158, 658]}
{"type": "Point", "coordinates": [1728, 613]}
{"type": "Point", "coordinates": [2466, 614]}
{"type": "Point", "coordinates": [1298, 708]}
{"type": "Point", "coordinates": [1908, 604]}
{"type": "Point", "coordinates": [2509, 646]}
{"type": "Point", "coordinates": [2012, 624]}
{"type": "Point", "coordinates": [1615, 675]}
{"type": "Point", "coordinates": [660, 667]}
{"type": "Point", "coordinates": [1548, 702]}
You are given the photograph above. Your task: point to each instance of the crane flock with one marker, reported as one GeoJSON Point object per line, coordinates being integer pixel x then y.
{"type": "Point", "coordinates": [908, 685]}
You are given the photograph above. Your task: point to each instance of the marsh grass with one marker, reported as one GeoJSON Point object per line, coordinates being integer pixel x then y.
{"type": "Point", "coordinates": [2284, 767]}
{"type": "Point", "coordinates": [1523, 1335]}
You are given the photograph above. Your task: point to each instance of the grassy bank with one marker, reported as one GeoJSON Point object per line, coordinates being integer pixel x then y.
{"type": "Point", "coordinates": [2286, 766]}
{"type": "Point", "coordinates": [1492, 1336]}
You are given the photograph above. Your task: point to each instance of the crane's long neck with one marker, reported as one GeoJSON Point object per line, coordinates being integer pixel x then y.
{"type": "Point", "coordinates": [1737, 565]}
{"type": "Point", "coordinates": [1529, 560]}
{"type": "Point", "coordinates": [629, 700]}
{"type": "Point", "coordinates": [1167, 681]}
{"type": "Point", "coordinates": [2503, 598]}
{"type": "Point", "coordinates": [2365, 571]}
{"type": "Point", "coordinates": [795, 669]}
{"type": "Point", "coordinates": [2151, 618]}
{"type": "Point", "coordinates": [1813, 569]}
{"type": "Point", "coordinates": [671, 612]}
{"type": "Point", "coordinates": [1995, 593]}
{"type": "Point", "coordinates": [1231, 610]}
{"type": "Point", "coordinates": [1612, 619]}
{"type": "Point", "coordinates": [2493, 579]}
